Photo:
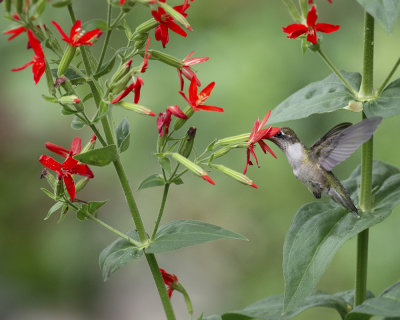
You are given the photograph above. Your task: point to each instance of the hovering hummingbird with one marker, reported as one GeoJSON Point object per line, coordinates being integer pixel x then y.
{"type": "Point", "coordinates": [312, 166]}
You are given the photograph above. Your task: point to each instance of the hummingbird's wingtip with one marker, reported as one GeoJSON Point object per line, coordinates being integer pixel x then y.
{"type": "Point", "coordinates": [356, 214]}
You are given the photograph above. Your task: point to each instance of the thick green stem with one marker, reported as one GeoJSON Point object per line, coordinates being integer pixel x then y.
{"type": "Point", "coordinates": [336, 71]}
{"type": "Point", "coordinates": [366, 90]}
{"type": "Point", "coordinates": [160, 213]}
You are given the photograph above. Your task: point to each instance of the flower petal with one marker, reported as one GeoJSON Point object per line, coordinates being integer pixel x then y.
{"type": "Point", "coordinates": [76, 146]}
{"type": "Point", "coordinates": [210, 108]}
{"type": "Point", "coordinates": [296, 28]}
{"type": "Point", "coordinates": [177, 112]}
{"type": "Point", "coordinates": [49, 163]}
{"type": "Point", "coordinates": [57, 149]}
{"type": "Point", "coordinates": [312, 17]}
{"type": "Point", "coordinates": [312, 36]}
{"type": "Point", "coordinates": [326, 27]}
{"type": "Point", "coordinates": [124, 94]}
{"type": "Point", "coordinates": [82, 170]}
{"type": "Point", "coordinates": [70, 186]}
{"type": "Point", "coordinates": [35, 44]}
{"type": "Point", "coordinates": [63, 34]}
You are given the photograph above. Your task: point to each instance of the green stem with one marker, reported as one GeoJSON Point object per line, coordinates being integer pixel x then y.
{"type": "Point", "coordinates": [160, 213]}
{"type": "Point", "coordinates": [336, 71]}
{"type": "Point", "coordinates": [107, 40]}
{"type": "Point", "coordinates": [366, 89]}
{"type": "Point", "coordinates": [388, 77]}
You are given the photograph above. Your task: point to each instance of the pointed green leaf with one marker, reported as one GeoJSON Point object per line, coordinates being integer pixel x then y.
{"type": "Point", "coordinates": [95, 205]}
{"type": "Point", "coordinates": [54, 209]}
{"type": "Point", "coordinates": [117, 254]}
{"type": "Point", "coordinates": [326, 95]}
{"type": "Point", "coordinates": [48, 193]}
{"type": "Point", "coordinates": [98, 157]}
{"type": "Point", "coordinates": [155, 180]}
{"type": "Point", "coordinates": [165, 163]}
{"type": "Point", "coordinates": [271, 307]}
{"type": "Point", "coordinates": [184, 233]}
{"type": "Point", "coordinates": [387, 104]}
{"type": "Point", "coordinates": [177, 181]}
{"type": "Point", "coordinates": [319, 229]}
{"type": "Point", "coordinates": [123, 135]}
{"type": "Point", "coordinates": [82, 213]}
{"type": "Point", "coordinates": [384, 11]}
{"type": "Point", "coordinates": [77, 123]}
{"type": "Point", "coordinates": [102, 111]}
{"type": "Point", "coordinates": [387, 304]}
{"type": "Point", "coordinates": [105, 68]}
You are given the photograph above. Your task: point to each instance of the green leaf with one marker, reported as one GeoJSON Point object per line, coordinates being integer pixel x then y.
{"type": "Point", "coordinates": [319, 229]}
{"type": "Point", "coordinates": [117, 254]}
{"type": "Point", "coordinates": [95, 205]}
{"type": "Point", "coordinates": [54, 209]}
{"type": "Point", "coordinates": [73, 76]}
{"type": "Point", "coordinates": [271, 307]}
{"type": "Point", "coordinates": [102, 111]}
{"type": "Point", "coordinates": [77, 123]}
{"type": "Point", "coordinates": [326, 95]}
{"type": "Point", "coordinates": [155, 180]}
{"type": "Point", "coordinates": [98, 157]}
{"type": "Point", "coordinates": [165, 163]}
{"type": "Point", "coordinates": [48, 193]}
{"type": "Point", "coordinates": [177, 181]}
{"type": "Point", "coordinates": [184, 233]}
{"type": "Point", "coordinates": [387, 104]}
{"type": "Point", "coordinates": [50, 99]}
{"type": "Point", "coordinates": [82, 213]}
{"type": "Point", "coordinates": [105, 68]}
{"type": "Point", "coordinates": [387, 304]}
{"type": "Point", "coordinates": [123, 135]}
{"type": "Point", "coordinates": [384, 11]}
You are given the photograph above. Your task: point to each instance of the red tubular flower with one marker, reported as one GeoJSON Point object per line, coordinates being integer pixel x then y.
{"type": "Point", "coordinates": [167, 22]}
{"type": "Point", "coordinates": [135, 85]}
{"type": "Point", "coordinates": [69, 167]}
{"type": "Point", "coordinates": [295, 30]}
{"type": "Point", "coordinates": [146, 57]}
{"type": "Point", "coordinates": [196, 100]}
{"type": "Point", "coordinates": [187, 72]}
{"type": "Point", "coordinates": [164, 119]}
{"type": "Point", "coordinates": [170, 280]}
{"type": "Point", "coordinates": [121, 2]}
{"type": "Point", "coordinates": [76, 38]}
{"type": "Point", "coordinates": [256, 136]}
{"type": "Point", "coordinates": [311, 1]}
{"type": "Point", "coordinates": [38, 63]}
{"type": "Point", "coordinates": [15, 32]}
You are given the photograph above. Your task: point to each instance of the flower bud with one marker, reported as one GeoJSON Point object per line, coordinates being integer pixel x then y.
{"type": "Point", "coordinates": [146, 26]}
{"type": "Point", "coordinates": [221, 152]}
{"type": "Point", "coordinates": [166, 58]}
{"type": "Point", "coordinates": [180, 122]}
{"type": "Point", "coordinates": [244, 137]}
{"type": "Point", "coordinates": [66, 60]}
{"type": "Point", "coordinates": [20, 6]}
{"type": "Point", "coordinates": [81, 184]}
{"type": "Point", "coordinates": [7, 4]}
{"type": "Point", "coordinates": [197, 170]}
{"type": "Point", "coordinates": [59, 189]}
{"type": "Point", "coordinates": [90, 145]}
{"type": "Point", "coordinates": [117, 87]}
{"type": "Point", "coordinates": [175, 14]}
{"type": "Point", "coordinates": [122, 71]}
{"type": "Point", "coordinates": [136, 107]}
{"type": "Point", "coordinates": [72, 99]}
{"type": "Point", "coordinates": [51, 180]}
{"type": "Point", "coordinates": [186, 144]}
{"type": "Point", "coordinates": [234, 174]}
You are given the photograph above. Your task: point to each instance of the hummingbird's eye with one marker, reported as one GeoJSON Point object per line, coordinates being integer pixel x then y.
{"type": "Point", "coordinates": [279, 134]}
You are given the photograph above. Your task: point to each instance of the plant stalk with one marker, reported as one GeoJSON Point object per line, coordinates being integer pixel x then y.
{"type": "Point", "coordinates": [160, 213]}
{"type": "Point", "coordinates": [366, 90]}
{"type": "Point", "coordinates": [388, 77]}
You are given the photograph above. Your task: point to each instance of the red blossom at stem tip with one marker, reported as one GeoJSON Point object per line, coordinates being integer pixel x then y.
{"type": "Point", "coordinates": [164, 119]}
{"type": "Point", "coordinates": [295, 30]}
{"type": "Point", "coordinates": [196, 100]}
{"type": "Point", "coordinates": [146, 57]}
{"type": "Point", "coordinates": [167, 22]}
{"type": "Point", "coordinates": [76, 38]}
{"type": "Point", "coordinates": [186, 71]}
{"type": "Point", "coordinates": [135, 85]}
{"type": "Point", "coordinates": [69, 167]}
{"type": "Point", "coordinates": [256, 136]}
{"type": "Point", "coordinates": [170, 280]}
{"type": "Point", "coordinates": [38, 63]}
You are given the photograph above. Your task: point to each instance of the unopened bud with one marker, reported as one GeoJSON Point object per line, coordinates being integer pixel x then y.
{"type": "Point", "coordinates": [166, 58]}
{"type": "Point", "coordinates": [147, 26]}
{"type": "Point", "coordinates": [197, 170]}
{"type": "Point", "coordinates": [135, 107]}
{"type": "Point", "coordinates": [221, 152]}
{"type": "Point", "coordinates": [90, 145]}
{"type": "Point", "coordinates": [175, 14]}
{"type": "Point", "coordinates": [20, 6]}
{"type": "Point", "coordinates": [7, 3]}
{"type": "Point", "coordinates": [59, 189]}
{"type": "Point", "coordinates": [187, 142]}
{"type": "Point", "coordinates": [122, 71]}
{"type": "Point", "coordinates": [72, 99]}
{"type": "Point", "coordinates": [66, 60]}
{"type": "Point", "coordinates": [180, 122]}
{"type": "Point", "coordinates": [234, 174]}
{"type": "Point", "coordinates": [117, 87]}
{"type": "Point", "coordinates": [244, 137]}
{"type": "Point", "coordinates": [81, 184]}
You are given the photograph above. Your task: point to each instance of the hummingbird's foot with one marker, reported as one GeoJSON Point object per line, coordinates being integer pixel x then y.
{"type": "Point", "coordinates": [317, 194]}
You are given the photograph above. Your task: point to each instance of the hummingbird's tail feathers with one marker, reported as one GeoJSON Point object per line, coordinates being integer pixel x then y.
{"type": "Point", "coordinates": [341, 146]}
{"type": "Point", "coordinates": [343, 199]}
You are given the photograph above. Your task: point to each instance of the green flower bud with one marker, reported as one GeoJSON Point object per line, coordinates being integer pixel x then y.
{"type": "Point", "coordinates": [180, 122]}
{"type": "Point", "coordinates": [66, 60]}
{"type": "Point", "coordinates": [186, 145]}
{"type": "Point", "coordinates": [81, 184]}
{"type": "Point", "coordinates": [241, 138]}
{"type": "Point", "coordinates": [234, 174]}
{"type": "Point", "coordinates": [197, 170]}
{"type": "Point", "coordinates": [147, 26]}
{"type": "Point", "coordinates": [122, 71]}
{"type": "Point", "coordinates": [135, 107]}
{"type": "Point", "coordinates": [7, 4]}
{"type": "Point", "coordinates": [166, 58]}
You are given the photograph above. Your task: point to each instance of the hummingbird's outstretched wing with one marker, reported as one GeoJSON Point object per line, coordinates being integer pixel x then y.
{"type": "Point", "coordinates": [341, 141]}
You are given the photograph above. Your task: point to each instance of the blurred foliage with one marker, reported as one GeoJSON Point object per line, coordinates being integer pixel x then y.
{"type": "Point", "coordinates": [50, 270]}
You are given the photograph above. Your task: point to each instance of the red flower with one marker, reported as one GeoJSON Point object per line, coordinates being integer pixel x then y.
{"type": "Point", "coordinates": [76, 38]}
{"type": "Point", "coordinates": [121, 2]}
{"type": "Point", "coordinates": [187, 72]}
{"type": "Point", "coordinates": [167, 22]}
{"type": "Point", "coordinates": [146, 57]}
{"type": "Point", "coordinates": [256, 136]}
{"type": "Point", "coordinates": [311, 1]}
{"type": "Point", "coordinates": [69, 167]}
{"type": "Point", "coordinates": [15, 32]}
{"type": "Point", "coordinates": [136, 85]}
{"type": "Point", "coordinates": [196, 100]}
{"type": "Point", "coordinates": [170, 280]}
{"type": "Point", "coordinates": [38, 63]}
{"type": "Point", "coordinates": [295, 30]}
{"type": "Point", "coordinates": [164, 118]}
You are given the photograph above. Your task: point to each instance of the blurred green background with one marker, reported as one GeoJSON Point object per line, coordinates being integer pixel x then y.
{"type": "Point", "coordinates": [50, 270]}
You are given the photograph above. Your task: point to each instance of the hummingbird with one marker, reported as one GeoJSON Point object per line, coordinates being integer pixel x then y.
{"type": "Point", "coordinates": [312, 166]}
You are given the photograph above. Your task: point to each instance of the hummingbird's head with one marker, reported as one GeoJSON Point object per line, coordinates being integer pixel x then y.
{"type": "Point", "coordinates": [284, 138]}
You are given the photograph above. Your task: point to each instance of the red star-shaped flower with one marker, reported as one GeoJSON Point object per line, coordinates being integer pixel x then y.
{"type": "Point", "coordinates": [76, 38]}
{"type": "Point", "coordinates": [295, 30]}
{"type": "Point", "coordinates": [164, 119]}
{"type": "Point", "coordinates": [38, 63]}
{"type": "Point", "coordinates": [167, 22]}
{"type": "Point", "coordinates": [256, 136]}
{"type": "Point", "coordinates": [69, 167]}
{"type": "Point", "coordinates": [187, 72]}
{"type": "Point", "coordinates": [196, 100]}
{"type": "Point", "coordinates": [170, 280]}
{"type": "Point", "coordinates": [135, 85]}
